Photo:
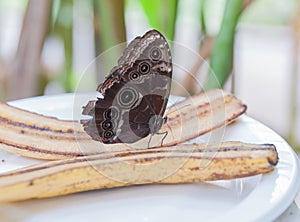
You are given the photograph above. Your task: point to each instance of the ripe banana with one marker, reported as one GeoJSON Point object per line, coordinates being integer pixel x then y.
{"type": "Point", "coordinates": [37, 136]}
{"type": "Point", "coordinates": [164, 165]}
{"type": "Point", "coordinates": [87, 165]}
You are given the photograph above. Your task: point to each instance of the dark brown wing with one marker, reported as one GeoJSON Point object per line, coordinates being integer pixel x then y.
{"type": "Point", "coordinates": [135, 95]}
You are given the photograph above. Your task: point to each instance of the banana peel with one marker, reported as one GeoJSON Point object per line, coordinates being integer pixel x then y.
{"type": "Point", "coordinates": [37, 136]}
{"type": "Point", "coordinates": [81, 164]}
{"type": "Point", "coordinates": [185, 163]}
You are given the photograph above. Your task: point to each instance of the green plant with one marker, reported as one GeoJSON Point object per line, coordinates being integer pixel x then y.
{"type": "Point", "coordinates": [221, 60]}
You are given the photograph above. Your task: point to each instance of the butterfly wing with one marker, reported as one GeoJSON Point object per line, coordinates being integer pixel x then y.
{"type": "Point", "coordinates": [135, 93]}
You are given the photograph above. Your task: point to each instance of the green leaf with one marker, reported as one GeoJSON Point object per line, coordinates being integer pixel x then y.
{"type": "Point", "coordinates": [202, 17]}
{"type": "Point", "coordinates": [54, 12]}
{"type": "Point", "coordinates": [64, 28]}
{"type": "Point", "coordinates": [221, 60]}
{"type": "Point", "coordinates": [161, 15]}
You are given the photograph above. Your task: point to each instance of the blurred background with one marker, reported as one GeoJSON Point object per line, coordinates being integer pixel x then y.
{"type": "Point", "coordinates": [251, 46]}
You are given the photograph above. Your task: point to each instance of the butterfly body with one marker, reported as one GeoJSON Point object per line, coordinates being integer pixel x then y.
{"type": "Point", "coordinates": [135, 93]}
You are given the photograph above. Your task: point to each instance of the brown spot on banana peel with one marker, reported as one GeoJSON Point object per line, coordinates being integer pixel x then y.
{"type": "Point", "coordinates": [56, 142]}
{"type": "Point", "coordinates": [33, 150]}
{"type": "Point", "coordinates": [32, 126]}
{"type": "Point", "coordinates": [45, 131]}
{"type": "Point", "coordinates": [33, 120]}
{"type": "Point", "coordinates": [229, 160]}
{"type": "Point", "coordinates": [225, 147]}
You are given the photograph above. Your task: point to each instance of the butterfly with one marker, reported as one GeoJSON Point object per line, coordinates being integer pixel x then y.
{"type": "Point", "coordinates": [134, 94]}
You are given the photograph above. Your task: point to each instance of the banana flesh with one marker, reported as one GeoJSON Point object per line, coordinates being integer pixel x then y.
{"type": "Point", "coordinates": [184, 163]}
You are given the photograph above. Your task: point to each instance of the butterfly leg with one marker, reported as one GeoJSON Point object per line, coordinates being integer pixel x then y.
{"type": "Point", "coordinates": [162, 141]}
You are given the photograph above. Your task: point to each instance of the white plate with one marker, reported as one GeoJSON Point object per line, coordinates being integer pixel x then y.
{"type": "Point", "coordinates": [260, 198]}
